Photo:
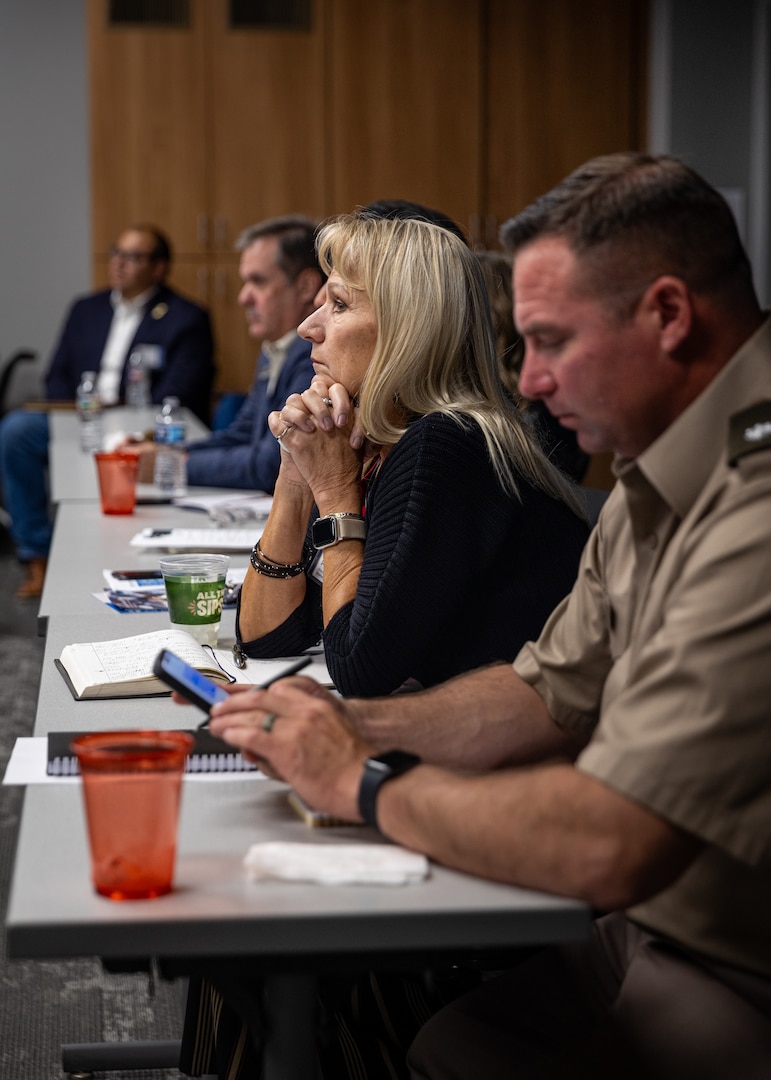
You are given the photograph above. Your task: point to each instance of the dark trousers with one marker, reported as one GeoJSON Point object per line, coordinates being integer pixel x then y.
{"type": "Point", "coordinates": [626, 1004]}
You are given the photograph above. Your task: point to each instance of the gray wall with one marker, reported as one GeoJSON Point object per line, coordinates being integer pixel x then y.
{"type": "Point", "coordinates": [710, 105]}
{"type": "Point", "coordinates": [44, 169]}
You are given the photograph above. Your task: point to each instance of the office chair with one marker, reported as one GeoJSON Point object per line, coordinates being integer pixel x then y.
{"type": "Point", "coordinates": [19, 357]}
{"type": "Point", "coordinates": [6, 374]}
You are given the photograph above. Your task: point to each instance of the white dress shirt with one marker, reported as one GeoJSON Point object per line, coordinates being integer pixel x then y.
{"type": "Point", "coordinates": [127, 315]}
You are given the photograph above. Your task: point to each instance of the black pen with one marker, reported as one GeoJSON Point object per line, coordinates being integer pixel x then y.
{"type": "Point", "coordinates": [291, 669]}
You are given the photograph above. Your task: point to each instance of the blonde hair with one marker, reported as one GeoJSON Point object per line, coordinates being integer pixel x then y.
{"type": "Point", "coordinates": [435, 347]}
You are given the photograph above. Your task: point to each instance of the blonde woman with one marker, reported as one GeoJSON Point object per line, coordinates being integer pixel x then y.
{"type": "Point", "coordinates": [416, 526]}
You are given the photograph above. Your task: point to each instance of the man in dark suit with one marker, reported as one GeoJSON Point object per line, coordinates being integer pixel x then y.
{"type": "Point", "coordinates": [281, 276]}
{"type": "Point", "coordinates": [100, 332]}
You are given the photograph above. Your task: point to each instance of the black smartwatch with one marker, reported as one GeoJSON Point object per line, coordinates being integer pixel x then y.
{"type": "Point", "coordinates": [330, 530]}
{"type": "Point", "coordinates": [378, 770]}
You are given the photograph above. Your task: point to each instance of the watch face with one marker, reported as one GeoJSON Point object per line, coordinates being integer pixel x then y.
{"type": "Point", "coordinates": [323, 532]}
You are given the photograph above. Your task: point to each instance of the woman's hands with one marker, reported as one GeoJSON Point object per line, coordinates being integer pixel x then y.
{"type": "Point", "coordinates": [320, 441]}
{"type": "Point", "coordinates": [327, 405]}
{"type": "Point", "coordinates": [319, 464]}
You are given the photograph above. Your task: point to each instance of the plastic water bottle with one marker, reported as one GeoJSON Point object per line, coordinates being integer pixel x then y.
{"type": "Point", "coordinates": [170, 466]}
{"type": "Point", "coordinates": [137, 381]}
{"type": "Point", "coordinates": [90, 413]}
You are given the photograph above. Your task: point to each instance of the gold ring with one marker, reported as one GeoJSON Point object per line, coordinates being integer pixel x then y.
{"type": "Point", "coordinates": [269, 721]}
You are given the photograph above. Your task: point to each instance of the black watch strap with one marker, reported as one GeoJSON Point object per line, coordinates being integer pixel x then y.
{"type": "Point", "coordinates": [377, 771]}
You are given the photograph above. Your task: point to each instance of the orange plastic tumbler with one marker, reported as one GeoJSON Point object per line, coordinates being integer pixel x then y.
{"type": "Point", "coordinates": [132, 782]}
{"type": "Point", "coordinates": [117, 482]}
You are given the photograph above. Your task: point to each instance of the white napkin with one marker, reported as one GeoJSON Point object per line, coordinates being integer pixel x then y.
{"type": "Point", "coordinates": [335, 864]}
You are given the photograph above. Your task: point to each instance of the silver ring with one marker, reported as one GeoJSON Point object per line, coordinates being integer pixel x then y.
{"type": "Point", "coordinates": [269, 721]}
{"type": "Point", "coordinates": [283, 433]}
{"type": "Point", "coordinates": [327, 401]}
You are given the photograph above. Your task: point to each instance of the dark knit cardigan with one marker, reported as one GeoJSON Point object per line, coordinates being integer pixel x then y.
{"type": "Point", "coordinates": [456, 572]}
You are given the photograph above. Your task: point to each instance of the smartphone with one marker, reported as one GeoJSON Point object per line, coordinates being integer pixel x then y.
{"type": "Point", "coordinates": [137, 575]}
{"type": "Point", "coordinates": [189, 682]}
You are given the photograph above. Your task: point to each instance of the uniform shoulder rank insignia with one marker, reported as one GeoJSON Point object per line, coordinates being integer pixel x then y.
{"type": "Point", "coordinates": [749, 430]}
{"type": "Point", "coordinates": [159, 311]}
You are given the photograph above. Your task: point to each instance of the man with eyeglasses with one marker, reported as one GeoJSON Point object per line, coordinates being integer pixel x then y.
{"type": "Point", "coordinates": [100, 332]}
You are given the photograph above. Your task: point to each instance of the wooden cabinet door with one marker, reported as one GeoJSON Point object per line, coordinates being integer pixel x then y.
{"type": "Point", "coordinates": [148, 127]}
{"type": "Point", "coordinates": [266, 146]}
{"type": "Point", "coordinates": [565, 81]}
{"type": "Point", "coordinates": [237, 352]}
{"type": "Point", "coordinates": [404, 115]}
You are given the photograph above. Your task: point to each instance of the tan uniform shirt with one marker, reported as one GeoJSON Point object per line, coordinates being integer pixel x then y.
{"type": "Point", "coordinates": [663, 652]}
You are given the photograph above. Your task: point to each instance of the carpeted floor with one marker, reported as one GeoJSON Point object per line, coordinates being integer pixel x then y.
{"type": "Point", "coordinates": [46, 1004]}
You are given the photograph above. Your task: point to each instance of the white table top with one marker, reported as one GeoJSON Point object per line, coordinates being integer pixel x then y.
{"type": "Point", "coordinates": [215, 911]}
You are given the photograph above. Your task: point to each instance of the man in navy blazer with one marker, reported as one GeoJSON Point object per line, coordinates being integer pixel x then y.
{"type": "Point", "coordinates": [100, 332]}
{"type": "Point", "coordinates": [181, 361]}
{"type": "Point", "coordinates": [281, 277]}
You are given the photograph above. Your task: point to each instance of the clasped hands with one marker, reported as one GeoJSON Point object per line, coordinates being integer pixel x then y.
{"type": "Point", "coordinates": [318, 432]}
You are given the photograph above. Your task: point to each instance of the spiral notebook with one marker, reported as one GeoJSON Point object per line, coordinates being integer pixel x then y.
{"type": "Point", "coordinates": [209, 755]}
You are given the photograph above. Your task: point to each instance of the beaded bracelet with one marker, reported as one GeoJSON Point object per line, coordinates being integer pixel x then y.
{"type": "Point", "coordinates": [265, 566]}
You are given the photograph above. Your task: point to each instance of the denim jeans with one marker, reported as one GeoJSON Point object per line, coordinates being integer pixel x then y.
{"type": "Point", "coordinates": [24, 477]}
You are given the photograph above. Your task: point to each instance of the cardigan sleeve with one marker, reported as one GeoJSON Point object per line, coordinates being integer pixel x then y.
{"type": "Point", "coordinates": [297, 633]}
{"type": "Point", "coordinates": [418, 568]}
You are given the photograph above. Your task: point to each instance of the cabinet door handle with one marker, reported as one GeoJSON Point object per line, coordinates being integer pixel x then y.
{"type": "Point", "coordinates": [220, 233]}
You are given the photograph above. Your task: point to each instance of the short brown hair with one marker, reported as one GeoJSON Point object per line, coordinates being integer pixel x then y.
{"type": "Point", "coordinates": [632, 217]}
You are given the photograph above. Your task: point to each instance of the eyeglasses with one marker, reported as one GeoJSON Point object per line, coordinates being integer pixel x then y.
{"type": "Point", "coordinates": [131, 256]}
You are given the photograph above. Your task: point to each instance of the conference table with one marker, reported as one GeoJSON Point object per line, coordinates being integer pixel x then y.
{"type": "Point", "coordinates": [287, 933]}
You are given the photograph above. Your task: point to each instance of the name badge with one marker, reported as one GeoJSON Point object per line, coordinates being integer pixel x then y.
{"type": "Point", "coordinates": [152, 356]}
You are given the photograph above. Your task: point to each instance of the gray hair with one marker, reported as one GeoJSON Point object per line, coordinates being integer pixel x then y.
{"type": "Point", "coordinates": [296, 248]}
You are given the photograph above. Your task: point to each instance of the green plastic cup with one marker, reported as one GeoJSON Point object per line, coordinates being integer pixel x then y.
{"type": "Point", "coordinates": [195, 590]}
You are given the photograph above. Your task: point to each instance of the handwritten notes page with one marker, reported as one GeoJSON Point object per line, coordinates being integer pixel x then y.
{"type": "Point", "coordinates": [124, 667]}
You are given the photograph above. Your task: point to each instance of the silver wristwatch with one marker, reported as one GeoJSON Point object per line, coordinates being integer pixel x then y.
{"type": "Point", "coordinates": [330, 530]}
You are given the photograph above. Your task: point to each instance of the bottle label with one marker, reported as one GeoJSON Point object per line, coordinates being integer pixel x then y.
{"type": "Point", "coordinates": [175, 433]}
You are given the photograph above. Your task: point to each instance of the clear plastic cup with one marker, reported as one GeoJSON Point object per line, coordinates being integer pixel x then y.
{"type": "Point", "coordinates": [195, 590]}
{"type": "Point", "coordinates": [132, 782]}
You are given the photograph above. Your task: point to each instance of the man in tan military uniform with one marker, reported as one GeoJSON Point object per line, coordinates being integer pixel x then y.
{"type": "Point", "coordinates": [642, 712]}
